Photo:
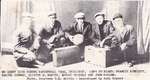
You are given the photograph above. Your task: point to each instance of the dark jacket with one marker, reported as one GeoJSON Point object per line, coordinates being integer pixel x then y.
{"type": "Point", "coordinates": [126, 36]}
{"type": "Point", "coordinates": [56, 30]}
{"type": "Point", "coordinates": [24, 39]}
{"type": "Point", "coordinates": [86, 31]}
{"type": "Point", "coordinates": [45, 34]}
{"type": "Point", "coordinates": [106, 29]}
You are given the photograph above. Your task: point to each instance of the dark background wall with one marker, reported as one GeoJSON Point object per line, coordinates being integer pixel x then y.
{"type": "Point", "coordinates": [65, 9]}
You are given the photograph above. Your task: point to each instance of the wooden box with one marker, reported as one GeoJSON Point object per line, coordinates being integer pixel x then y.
{"type": "Point", "coordinates": [99, 56]}
{"type": "Point", "coordinates": [67, 55]}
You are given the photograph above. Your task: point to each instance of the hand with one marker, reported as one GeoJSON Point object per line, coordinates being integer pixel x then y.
{"type": "Point", "coordinates": [70, 37]}
{"type": "Point", "coordinates": [21, 50]}
{"type": "Point", "coordinates": [106, 47]}
{"type": "Point", "coordinates": [102, 43]}
{"type": "Point", "coordinates": [30, 56]}
{"type": "Point", "coordinates": [52, 39]}
{"type": "Point", "coordinates": [36, 44]}
{"type": "Point", "coordinates": [123, 46]}
{"type": "Point", "coordinates": [49, 46]}
{"type": "Point", "coordinates": [67, 35]}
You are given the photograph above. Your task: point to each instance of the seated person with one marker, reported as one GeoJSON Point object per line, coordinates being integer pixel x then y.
{"type": "Point", "coordinates": [24, 51]}
{"type": "Point", "coordinates": [102, 29]}
{"type": "Point", "coordinates": [49, 36]}
{"type": "Point", "coordinates": [123, 38]}
{"type": "Point", "coordinates": [80, 32]}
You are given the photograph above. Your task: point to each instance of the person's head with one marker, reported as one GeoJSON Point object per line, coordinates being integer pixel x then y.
{"type": "Point", "coordinates": [79, 17]}
{"type": "Point", "coordinates": [52, 16]}
{"type": "Point", "coordinates": [27, 18]}
{"type": "Point", "coordinates": [24, 35]}
{"type": "Point", "coordinates": [99, 17]}
{"type": "Point", "coordinates": [118, 20]}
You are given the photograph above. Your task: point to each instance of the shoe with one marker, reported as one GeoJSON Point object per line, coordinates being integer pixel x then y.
{"type": "Point", "coordinates": [37, 66]}
{"type": "Point", "coordinates": [37, 62]}
{"type": "Point", "coordinates": [130, 64]}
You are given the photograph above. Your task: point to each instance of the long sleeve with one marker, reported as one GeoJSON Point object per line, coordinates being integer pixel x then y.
{"type": "Point", "coordinates": [111, 28]}
{"type": "Point", "coordinates": [90, 33]}
{"type": "Point", "coordinates": [69, 30]}
{"type": "Point", "coordinates": [95, 38]}
{"type": "Point", "coordinates": [15, 37]}
{"type": "Point", "coordinates": [60, 31]}
{"type": "Point", "coordinates": [131, 40]}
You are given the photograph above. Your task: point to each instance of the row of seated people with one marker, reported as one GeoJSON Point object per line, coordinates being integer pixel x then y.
{"type": "Point", "coordinates": [33, 45]}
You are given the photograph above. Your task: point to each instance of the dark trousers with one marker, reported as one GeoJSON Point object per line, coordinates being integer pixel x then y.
{"type": "Point", "coordinates": [21, 63]}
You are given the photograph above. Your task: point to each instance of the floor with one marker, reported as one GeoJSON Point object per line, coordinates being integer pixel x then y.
{"type": "Point", "coordinates": [8, 63]}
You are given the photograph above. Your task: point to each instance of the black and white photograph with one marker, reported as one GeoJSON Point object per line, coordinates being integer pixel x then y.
{"type": "Point", "coordinates": [75, 39]}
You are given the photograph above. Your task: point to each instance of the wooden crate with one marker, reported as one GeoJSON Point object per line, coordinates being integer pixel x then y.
{"type": "Point", "coordinates": [67, 55]}
{"type": "Point", "coordinates": [99, 56]}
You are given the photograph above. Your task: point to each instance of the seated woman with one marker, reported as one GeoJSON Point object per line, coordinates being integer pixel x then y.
{"type": "Point", "coordinates": [123, 38]}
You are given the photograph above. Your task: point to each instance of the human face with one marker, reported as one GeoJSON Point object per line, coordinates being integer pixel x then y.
{"type": "Point", "coordinates": [80, 20]}
{"type": "Point", "coordinates": [25, 34]}
{"type": "Point", "coordinates": [118, 23]}
{"type": "Point", "coordinates": [52, 19]}
{"type": "Point", "coordinates": [99, 19]}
